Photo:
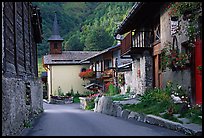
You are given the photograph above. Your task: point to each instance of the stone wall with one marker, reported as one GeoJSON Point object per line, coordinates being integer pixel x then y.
{"type": "Point", "coordinates": [181, 77]}
{"type": "Point", "coordinates": [22, 93]}
{"type": "Point", "coordinates": [105, 105]}
{"type": "Point", "coordinates": [15, 112]}
{"type": "Point", "coordinates": [142, 72]}
{"type": "Point", "coordinates": [148, 70]}
{"type": "Point", "coordinates": [36, 96]}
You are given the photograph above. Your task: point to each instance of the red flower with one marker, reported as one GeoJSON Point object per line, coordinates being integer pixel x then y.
{"type": "Point", "coordinates": [86, 74]}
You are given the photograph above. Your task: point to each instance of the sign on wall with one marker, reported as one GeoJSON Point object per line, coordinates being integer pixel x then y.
{"type": "Point", "coordinates": [174, 25]}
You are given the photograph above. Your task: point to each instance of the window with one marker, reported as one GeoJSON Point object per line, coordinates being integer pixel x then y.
{"type": "Point", "coordinates": [55, 45]}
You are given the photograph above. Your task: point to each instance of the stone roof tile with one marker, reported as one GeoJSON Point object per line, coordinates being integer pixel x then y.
{"type": "Point", "coordinates": [68, 57]}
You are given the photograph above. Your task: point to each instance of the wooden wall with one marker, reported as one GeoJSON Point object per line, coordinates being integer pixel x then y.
{"type": "Point", "coordinates": [20, 47]}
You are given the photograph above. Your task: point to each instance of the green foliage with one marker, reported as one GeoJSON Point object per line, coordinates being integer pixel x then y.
{"type": "Point", "coordinates": [76, 99]}
{"type": "Point", "coordinates": [90, 104]}
{"type": "Point", "coordinates": [193, 114]}
{"type": "Point", "coordinates": [87, 93]}
{"type": "Point", "coordinates": [119, 97]}
{"type": "Point", "coordinates": [112, 90]}
{"type": "Point", "coordinates": [70, 93]}
{"type": "Point", "coordinates": [173, 59]}
{"type": "Point", "coordinates": [128, 89]}
{"type": "Point", "coordinates": [83, 25]}
{"type": "Point", "coordinates": [98, 40]}
{"type": "Point", "coordinates": [156, 101]}
{"type": "Point", "coordinates": [40, 67]}
{"type": "Point", "coordinates": [170, 117]}
{"type": "Point", "coordinates": [59, 90]}
{"type": "Point", "coordinates": [27, 124]}
{"type": "Point", "coordinates": [74, 43]}
{"type": "Point", "coordinates": [155, 95]}
{"type": "Point", "coordinates": [190, 11]}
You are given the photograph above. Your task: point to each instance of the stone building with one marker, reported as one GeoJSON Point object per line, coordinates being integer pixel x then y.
{"type": "Point", "coordinates": [146, 30]}
{"type": "Point", "coordinates": [21, 88]}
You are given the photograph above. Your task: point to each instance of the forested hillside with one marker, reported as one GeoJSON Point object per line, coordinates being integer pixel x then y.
{"type": "Point", "coordinates": [83, 25]}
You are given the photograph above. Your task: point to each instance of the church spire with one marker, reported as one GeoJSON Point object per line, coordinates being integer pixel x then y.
{"type": "Point", "coordinates": [55, 31]}
{"type": "Point", "coordinates": [55, 39]}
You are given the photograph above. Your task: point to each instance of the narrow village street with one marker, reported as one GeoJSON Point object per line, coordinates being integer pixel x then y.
{"type": "Point", "coordinates": [70, 120]}
{"type": "Point", "coordinates": [102, 69]}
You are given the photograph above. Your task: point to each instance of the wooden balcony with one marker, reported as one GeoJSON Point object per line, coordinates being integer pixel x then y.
{"type": "Point", "coordinates": [136, 43]}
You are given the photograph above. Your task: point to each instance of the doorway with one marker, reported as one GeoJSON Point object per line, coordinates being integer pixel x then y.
{"type": "Point", "coordinates": [157, 70]}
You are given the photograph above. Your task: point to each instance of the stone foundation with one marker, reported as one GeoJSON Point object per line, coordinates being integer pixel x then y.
{"type": "Point", "coordinates": [15, 111]}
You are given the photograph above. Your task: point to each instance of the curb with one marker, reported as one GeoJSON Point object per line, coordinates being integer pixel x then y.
{"type": "Point", "coordinates": [189, 129]}
{"type": "Point", "coordinates": [115, 109]}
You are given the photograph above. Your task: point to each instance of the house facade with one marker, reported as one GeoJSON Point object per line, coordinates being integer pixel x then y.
{"type": "Point", "coordinates": [63, 72]}
{"type": "Point", "coordinates": [148, 28]}
{"type": "Point", "coordinates": [21, 89]}
{"type": "Point", "coordinates": [63, 66]}
{"type": "Point", "coordinates": [107, 66]}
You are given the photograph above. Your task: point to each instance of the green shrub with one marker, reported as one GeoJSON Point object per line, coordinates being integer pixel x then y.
{"type": "Point", "coordinates": [68, 94]}
{"type": "Point", "coordinates": [90, 104]}
{"type": "Point", "coordinates": [154, 96]}
{"type": "Point", "coordinates": [87, 93]}
{"type": "Point", "coordinates": [112, 90]}
{"type": "Point", "coordinates": [128, 89]}
{"type": "Point", "coordinates": [76, 99]}
{"type": "Point", "coordinates": [172, 118]}
{"type": "Point", "coordinates": [119, 97]}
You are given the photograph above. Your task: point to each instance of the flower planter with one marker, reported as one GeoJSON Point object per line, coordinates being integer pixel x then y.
{"type": "Point", "coordinates": [61, 100]}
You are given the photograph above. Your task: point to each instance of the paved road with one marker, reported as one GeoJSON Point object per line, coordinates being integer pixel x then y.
{"type": "Point", "coordinates": [70, 120]}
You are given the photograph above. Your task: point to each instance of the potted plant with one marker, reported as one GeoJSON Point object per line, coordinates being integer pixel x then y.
{"type": "Point", "coordinates": [87, 74]}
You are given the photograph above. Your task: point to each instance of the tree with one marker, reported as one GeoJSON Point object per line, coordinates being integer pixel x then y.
{"type": "Point", "coordinates": [98, 40]}
{"type": "Point", "coordinates": [74, 44]}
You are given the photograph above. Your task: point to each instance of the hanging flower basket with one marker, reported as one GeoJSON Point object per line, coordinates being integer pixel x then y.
{"type": "Point", "coordinates": [87, 74]}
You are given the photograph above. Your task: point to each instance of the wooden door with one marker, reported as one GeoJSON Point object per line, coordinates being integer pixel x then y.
{"type": "Point", "coordinates": [157, 72]}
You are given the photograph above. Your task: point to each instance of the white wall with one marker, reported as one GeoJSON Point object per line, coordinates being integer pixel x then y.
{"type": "Point", "coordinates": [128, 82]}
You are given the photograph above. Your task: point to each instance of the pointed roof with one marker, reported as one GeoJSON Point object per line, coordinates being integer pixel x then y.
{"type": "Point", "coordinates": [55, 31]}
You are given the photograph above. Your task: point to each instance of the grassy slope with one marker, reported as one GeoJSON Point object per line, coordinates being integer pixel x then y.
{"type": "Point", "coordinates": [40, 67]}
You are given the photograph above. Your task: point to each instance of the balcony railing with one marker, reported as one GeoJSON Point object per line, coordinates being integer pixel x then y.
{"type": "Point", "coordinates": [142, 39]}
{"type": "Point", "coordinates": [136, 42]}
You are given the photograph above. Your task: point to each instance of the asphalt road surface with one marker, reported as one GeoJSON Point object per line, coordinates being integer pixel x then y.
{"type": "Point", "coordinates": [70, 120]}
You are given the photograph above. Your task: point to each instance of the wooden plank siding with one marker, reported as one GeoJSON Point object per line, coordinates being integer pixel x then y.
{"type": "Point", "coordinates": [9, 33]}
{"type": "Point", "coordinates": [19, 36]}
{"type": "Point", "coordinates": [126, 44]}
{"type": "Point", "coordinates": [19, 44]}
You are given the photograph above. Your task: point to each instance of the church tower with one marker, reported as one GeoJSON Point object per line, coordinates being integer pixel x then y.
{"type": "Point", "coordinates": [55, 39]}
